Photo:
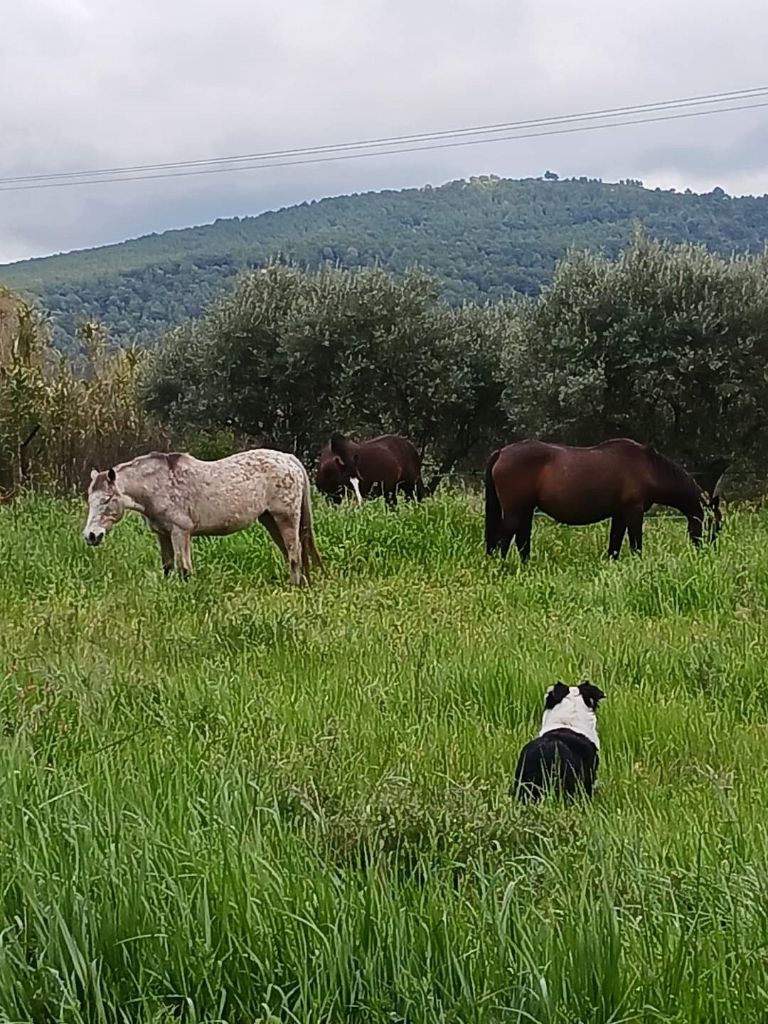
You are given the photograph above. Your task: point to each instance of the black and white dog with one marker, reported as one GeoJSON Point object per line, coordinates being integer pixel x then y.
{"type": "Point", "coordinates": [564, 756]}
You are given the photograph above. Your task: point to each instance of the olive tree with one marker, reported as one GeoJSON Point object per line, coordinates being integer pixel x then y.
{"type": "Point", "coordinates": [667, 344]}
{"type": "Point", "coordinates": [291, 355]}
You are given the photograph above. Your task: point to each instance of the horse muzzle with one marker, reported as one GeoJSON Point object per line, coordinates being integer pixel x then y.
{"type": "Point", "coordinates": [92, 538]}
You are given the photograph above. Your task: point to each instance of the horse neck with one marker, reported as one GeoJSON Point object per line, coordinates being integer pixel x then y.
{"type": "Point", "coordinates": [675, 488]}
{"type": "Point", "coordinates": [137, 482]}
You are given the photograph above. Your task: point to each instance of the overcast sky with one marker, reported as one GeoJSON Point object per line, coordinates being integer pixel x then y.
{"type": "Point", "coordinates": [94, 83]}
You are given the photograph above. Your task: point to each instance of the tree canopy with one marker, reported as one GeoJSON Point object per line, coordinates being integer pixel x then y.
{"type": "Point", "coordinates": [483, 239]}
{"type": "Point", "coordinates": [291, 356]}
{"type": "Point", "coordinates": [667, 344]}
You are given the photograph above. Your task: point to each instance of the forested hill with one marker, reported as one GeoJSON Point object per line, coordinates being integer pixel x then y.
{"type": "Point", "coordinates": [483, 238]}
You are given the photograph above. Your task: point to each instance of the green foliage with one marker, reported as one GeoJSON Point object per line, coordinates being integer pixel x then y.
{"type": "Point", "coordinates": [667, 344]}
{"type": "Point", "coordinates": [483, 239]}
{"type": "Point", "coordinates": [57, 420]}
{"type": "Point", "coordinates": [227, 800]}
{"type": "Point", "coordinates": [291, 356]}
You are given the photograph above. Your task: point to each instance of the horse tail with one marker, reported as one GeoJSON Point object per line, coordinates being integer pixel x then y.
{"type": "Point", "coordinates": [493, 517]}
{"type": "Point", "coordinates": [309, 552]}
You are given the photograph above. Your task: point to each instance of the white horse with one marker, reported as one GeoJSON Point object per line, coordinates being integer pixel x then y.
{"type": "Point", "coordinates": [181, 496]}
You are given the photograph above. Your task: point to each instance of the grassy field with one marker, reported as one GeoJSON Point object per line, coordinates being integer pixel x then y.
{"type": "Point", "coordinates": [227, 800]}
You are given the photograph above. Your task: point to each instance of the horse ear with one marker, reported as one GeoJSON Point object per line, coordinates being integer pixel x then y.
{"type": "Point", "coordinates": [338, 442]}
{"type": "Point", "coordinates": [111, 476]}
{"type": "Point", "coordinates": [94, 474]}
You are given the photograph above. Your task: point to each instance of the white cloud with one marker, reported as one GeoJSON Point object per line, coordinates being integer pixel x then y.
{"type": "Point", "coordinates": [97, 84]}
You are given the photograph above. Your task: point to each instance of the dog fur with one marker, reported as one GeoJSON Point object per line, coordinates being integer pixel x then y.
{"type": "Point", "coordinates": [564, 756]}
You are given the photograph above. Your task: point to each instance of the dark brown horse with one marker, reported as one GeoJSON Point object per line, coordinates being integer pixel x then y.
{"type": "Point", "coordinates": [617, 480]}
{"type": "Point", "coordinates": [384, 465]}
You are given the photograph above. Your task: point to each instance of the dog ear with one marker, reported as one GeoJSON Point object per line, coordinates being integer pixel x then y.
{"type": "Point", "coordinates": [591, 695]}
{"type": "Point", "coordinates": [555, 694]}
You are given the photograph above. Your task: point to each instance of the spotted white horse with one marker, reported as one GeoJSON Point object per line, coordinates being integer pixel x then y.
{"type": "Point", "coordinates": [181, 497]}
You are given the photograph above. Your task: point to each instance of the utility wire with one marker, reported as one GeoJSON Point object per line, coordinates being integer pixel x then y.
{"type": "Point", "coordinates": [340, 151]}
{"type": "Point", "coordinates": [709, 98]}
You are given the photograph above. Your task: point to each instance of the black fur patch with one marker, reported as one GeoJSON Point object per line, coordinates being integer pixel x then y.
{"type": "Point", "coordinates": [591, 695]}
{"type": "Point", "coordinates": [562, 761]}
{"type": "Point", "coordinates": [558, 693]}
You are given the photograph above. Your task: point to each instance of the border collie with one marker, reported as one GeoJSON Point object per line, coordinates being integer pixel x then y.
{"type": "Point", "coordinates": [564, 756]}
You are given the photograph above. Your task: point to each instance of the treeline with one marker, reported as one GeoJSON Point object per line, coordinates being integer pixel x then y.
{"type": "Point", "coordinates": [292, 355]}
{"type": "Point", "coordinates": [667, 343]}
{"type": "Point", "coordinates": [57, 419]}
{"type": "Point", "coordinates": [485, 239]}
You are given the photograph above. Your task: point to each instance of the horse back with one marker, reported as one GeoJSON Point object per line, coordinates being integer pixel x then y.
{"type": "Point", "coordinates": [390, 459]}
{"type": "Point", "coordinates": [572, 484]}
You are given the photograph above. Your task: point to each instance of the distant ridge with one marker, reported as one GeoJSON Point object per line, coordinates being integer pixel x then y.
{"type": "Point", "coordinates": [483, 238]}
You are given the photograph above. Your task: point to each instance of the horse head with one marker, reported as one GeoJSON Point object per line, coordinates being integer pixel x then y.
{"type": "Point", "coordinates": [713, 516]}
{"type": "Point", "coordinates": [106, 505]}
{"type": "Point", "coordinates": [344, 455]}
{"type": "Point", "coordinates": [710, 480]}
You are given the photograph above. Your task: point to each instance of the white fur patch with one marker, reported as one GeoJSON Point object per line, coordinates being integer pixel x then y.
{"type": "Point", "coordinates": [356, 488]}
{"type": "Point", "coordinates": [571, 713]}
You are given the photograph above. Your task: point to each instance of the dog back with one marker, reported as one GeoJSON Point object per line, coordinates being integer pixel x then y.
{"type": "Point", "coordinates": [561, 760]}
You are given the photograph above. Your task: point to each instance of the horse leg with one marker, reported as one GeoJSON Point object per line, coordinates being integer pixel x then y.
{"type": "Point", "coordinates": [390, 496]}
{"type": "Point", "coordinates": [186, 555]}
{"type": "Point", "coordinates": [635, 531]}
{"type": "Point", "coordinates": [523, 536]}
{"type": "Point", "coordinates": [166, 552]}
{"type": "Point", "coordinates": [506, 534]}
{"type": "Point", "coordinates": [268, 521]}
{"type": "Point", "coordinates": [288, 525]}
{"type": "Point", "coordinates": [618, 528]}
{"type": "Point", "coordinates": [182, 555]}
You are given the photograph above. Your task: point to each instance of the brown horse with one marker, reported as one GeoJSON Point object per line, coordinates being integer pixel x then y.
{"type": "Point", "coordinates": [383, 465]}
{"type": "Point", "coordinates": [617, 480]}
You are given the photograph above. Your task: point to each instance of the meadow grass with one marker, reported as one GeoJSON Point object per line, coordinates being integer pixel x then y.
{"type": "Point", "coordinates": [227, 800]}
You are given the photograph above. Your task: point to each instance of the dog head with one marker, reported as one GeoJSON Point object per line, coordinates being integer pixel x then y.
{"type": "Point", "coordinates": [572, 707]}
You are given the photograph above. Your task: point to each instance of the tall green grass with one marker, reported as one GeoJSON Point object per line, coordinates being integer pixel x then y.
{"type": "Point", "coordinates": [227, 800]}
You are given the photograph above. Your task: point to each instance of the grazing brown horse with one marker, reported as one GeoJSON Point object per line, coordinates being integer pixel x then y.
{"type": "Point", "coordinates": [617, 480]}
{"type": "Point", "coordinates": [383, 465]}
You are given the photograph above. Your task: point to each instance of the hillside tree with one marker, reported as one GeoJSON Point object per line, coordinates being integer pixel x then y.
{"type": "Point", "coordinates": [292, 355]}
{"type": "Point", "coordinates": [667, 344]}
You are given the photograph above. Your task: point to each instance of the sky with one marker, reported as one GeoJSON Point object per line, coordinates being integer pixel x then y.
{"type": "Point", "coordinates": [92, 83]}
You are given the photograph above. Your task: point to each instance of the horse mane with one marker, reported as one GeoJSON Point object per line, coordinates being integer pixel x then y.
{"type": "Point", "coordinates": [341, 446]}
{"type": "Point", "coordinates": [171, 458]}
{"type": "Point", "coordinates": [671, 471]}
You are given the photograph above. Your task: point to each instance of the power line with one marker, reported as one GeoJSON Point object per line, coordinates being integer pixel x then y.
{"type": "Point", "coordinates": [340, 152]}
{"type": "Point", "coordinates": [707, 98]}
